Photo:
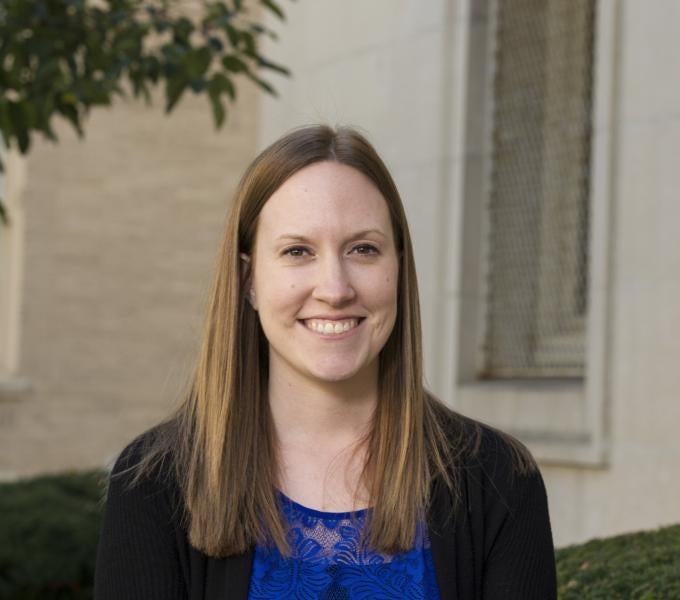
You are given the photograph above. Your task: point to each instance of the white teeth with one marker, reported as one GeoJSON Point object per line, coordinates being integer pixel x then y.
{"type": "Point", "coordinates": [331, 327]}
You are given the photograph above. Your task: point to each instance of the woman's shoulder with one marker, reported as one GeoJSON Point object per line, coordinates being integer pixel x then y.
{"type": "Point", "coordinates": [139, 446]}
{"type": "Point", "coordinates": [142, 545]}
{"type": "Point", "coordinates": [477, 446]}
{"type": "Point", "coordinates": [146, 464]}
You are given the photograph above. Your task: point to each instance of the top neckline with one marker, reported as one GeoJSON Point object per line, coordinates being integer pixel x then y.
{"type": "Point", "coordinates": [312, 512]}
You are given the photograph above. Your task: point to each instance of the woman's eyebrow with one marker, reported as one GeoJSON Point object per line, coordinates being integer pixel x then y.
{"type": "Point", "coordinates": [292, 237]}
{"type": "Point", "coordinates": [365, 232]}
{"type": "Point", "coordinates": [301, 238]}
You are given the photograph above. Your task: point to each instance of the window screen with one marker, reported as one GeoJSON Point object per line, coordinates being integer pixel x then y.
{"type": "Point", "coordinates": [536, 283]}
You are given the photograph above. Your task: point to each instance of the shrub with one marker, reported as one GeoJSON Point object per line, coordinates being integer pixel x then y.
{"type": "Point", "coordinates": [635, 566]}
{"type": "Point", "coordinates": [49, 528]}
{"type": "Point", "coordinates": [48, 536]}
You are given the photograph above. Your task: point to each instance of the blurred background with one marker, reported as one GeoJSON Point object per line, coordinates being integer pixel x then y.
{"type": "Point", "coordinates": [536, 145]}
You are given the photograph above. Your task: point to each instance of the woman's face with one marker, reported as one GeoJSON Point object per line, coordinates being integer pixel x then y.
{"type": "Point", "coordinates": [325, 274]}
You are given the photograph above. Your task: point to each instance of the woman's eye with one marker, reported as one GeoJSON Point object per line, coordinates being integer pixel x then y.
{"type": "Point", "coordinates": [295, 251]}
{"type": "Point", "coordinates": [365, 249]}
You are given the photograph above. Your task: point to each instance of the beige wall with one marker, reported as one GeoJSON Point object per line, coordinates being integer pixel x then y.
{"type": "Point", "coordinates": [400, 71]}
{"type": "Point", "coordinates": [121, 231]}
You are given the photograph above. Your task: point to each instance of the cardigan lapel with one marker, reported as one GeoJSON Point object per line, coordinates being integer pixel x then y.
{"type": "Point", "coordinates": [440, 522]}
{"type": "Point", "coordinates": [229, 578]}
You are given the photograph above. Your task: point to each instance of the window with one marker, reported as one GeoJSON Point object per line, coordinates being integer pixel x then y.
{"type": "Point", "coordinates": [528, 283]}
{"type": "Point", "coordinates": [539, 188]}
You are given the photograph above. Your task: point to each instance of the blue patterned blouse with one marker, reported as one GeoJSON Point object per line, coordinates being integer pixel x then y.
{"type": "Point", "coordinates": [329, 562]}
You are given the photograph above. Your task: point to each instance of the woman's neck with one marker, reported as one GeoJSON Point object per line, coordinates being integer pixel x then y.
{"type": "Point", "coordinates": [321, 429]}
{"type": "Point", "coordinates": [307, 411]}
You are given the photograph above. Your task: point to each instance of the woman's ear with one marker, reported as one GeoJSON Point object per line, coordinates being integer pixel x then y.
{"type": "Point", "coordinates": [247, 277]}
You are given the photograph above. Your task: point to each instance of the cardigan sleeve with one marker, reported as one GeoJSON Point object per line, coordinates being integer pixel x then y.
{"type": "Point", "coordinates": [518, 547]}
{"type": "Point", "coordinates": [138, 555]}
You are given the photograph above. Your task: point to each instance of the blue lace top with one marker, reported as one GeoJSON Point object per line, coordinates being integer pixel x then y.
{"type": "Point", "coordinates": [329, 562]}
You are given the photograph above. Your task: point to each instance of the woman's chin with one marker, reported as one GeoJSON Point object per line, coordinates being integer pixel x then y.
{"type": "Point", "coordinates": [335, 373]}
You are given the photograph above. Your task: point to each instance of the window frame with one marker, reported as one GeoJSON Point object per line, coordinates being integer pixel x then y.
{"type": "Point", "coordinates": [563, 421]}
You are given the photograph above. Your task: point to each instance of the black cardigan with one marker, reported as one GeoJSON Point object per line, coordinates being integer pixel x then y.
{"type": "Point", "coordinates": [496, 546]}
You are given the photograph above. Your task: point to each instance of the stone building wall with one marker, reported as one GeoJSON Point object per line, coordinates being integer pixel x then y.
{"type": "Point", "coordinates": [121, 235]}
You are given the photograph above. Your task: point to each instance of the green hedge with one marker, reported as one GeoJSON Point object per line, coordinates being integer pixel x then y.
{"type": "Point", "coordinates": [635, 566]}
{"type": "Point", "coordinates": [49, 528]}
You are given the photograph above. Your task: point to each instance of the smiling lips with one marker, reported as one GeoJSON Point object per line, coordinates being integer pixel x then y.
{"type": "Point", "coordinates": [328, 327]}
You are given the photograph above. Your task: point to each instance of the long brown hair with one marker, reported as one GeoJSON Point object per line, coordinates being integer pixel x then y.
{"type": "Point", "coordinates": [221, 437]}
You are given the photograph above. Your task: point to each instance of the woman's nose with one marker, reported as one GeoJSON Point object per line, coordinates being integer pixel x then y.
{"type": "Point", "coordinates": [333, 283]}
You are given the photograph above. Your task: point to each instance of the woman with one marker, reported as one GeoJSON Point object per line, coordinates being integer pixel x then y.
{"type": "Point", "coordinates": [307, 460]}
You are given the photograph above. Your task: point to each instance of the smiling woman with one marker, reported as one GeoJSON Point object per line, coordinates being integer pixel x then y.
{"type": "Point", "coordinates": [307, 459]}
{"type": "Point", "coordinates": [328, 303]}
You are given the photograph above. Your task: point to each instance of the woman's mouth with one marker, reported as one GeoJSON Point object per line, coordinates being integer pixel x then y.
{"type": "Point", "coordinates": [332, 327]}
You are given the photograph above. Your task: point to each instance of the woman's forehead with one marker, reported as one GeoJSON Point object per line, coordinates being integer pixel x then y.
{"type": "Point", "coordinates": [325, 197]}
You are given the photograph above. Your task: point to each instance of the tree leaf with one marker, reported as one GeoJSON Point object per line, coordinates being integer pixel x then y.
{"type": "Point", "coordinates": [233, 63]}
{"type": "Point", "coordinates": [196, 62]}
{"type": "Point", "coordinates": [197, 85]}
{"type": "Point", "coordinates": [18, 115]}
{"type": "Point", "coordinates": [4, 217]}
{"type": "Point", "coordinates": [267, 87]}
{"type": "Point", "coordinates": [182, 29]}
{"type": "Point", "coordinates": [249, 44]}
{"type": "Point", "coordinates": [275, 8]}
{"type": "Point", "coordinates": [215, 43]}
{"type": "Point", "coordinates": [233, 34]}
{"type": "Point", "coordinates": [218, 110]}
{"type": "Point", "coordinates": [174, 89]}
{"type": "Point", "coordinates": [70, 112]}
{"type": "Point", "coordinates": [221, 83]}
{"type": "Point", "coordinates": [5, 119]}
{"type": "Point", "coordinates": [262, 30]}
{"type": "Point", "coordinates": [173, 52]}
{"type": "Point", "coordinates": [264, 63]}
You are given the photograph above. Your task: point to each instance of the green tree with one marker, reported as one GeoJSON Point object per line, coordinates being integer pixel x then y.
{"type": "Point", "coordinates": [63, 57]}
